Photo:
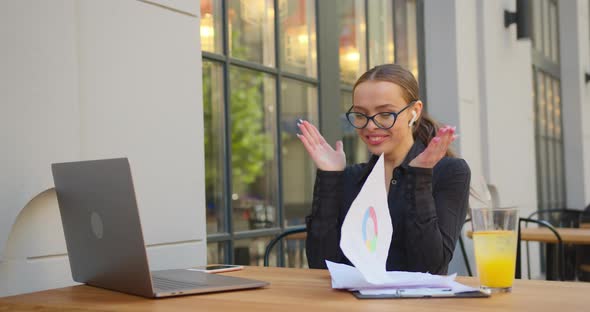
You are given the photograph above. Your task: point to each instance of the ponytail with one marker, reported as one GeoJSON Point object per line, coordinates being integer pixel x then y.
{"type": "Point", "coordinates": [425, 129]}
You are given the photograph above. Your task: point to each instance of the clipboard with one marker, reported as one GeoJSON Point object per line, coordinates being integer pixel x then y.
{"type": "Point", "coordinates": [414, 293]}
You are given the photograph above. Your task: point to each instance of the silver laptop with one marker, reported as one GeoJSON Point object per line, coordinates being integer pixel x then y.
{"type": "Point", "coordinates": [104, 237]}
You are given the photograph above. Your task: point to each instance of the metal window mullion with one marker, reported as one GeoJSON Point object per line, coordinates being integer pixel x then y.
{"type": "Point", "coordinates": [545, 146]}
{"type": "Point", "coordinates": [299, 77]}
{"type": "Point", "coordinates": [218, 237]}
{"type": "Point", "coordinates": [367, 37]}
{"type": "Point", "coordinates": [213, 56]}
{"type": "Point", "coordinates": [229, 245]}
{"type": "Point", "coordinates": [256, 233]}
{"type": "Point", "coordinates": [555, 146]}
{"type": "Point", "coordinates": [537, 139]}
{"type": "Point", "coordinates": [421, 51]}
{"type": "Point", "coordinates": [563, 184]}
{"type": "Point", "coordinates": [279, 102]}
{"type": "Point", "coordinates": [253, 66]}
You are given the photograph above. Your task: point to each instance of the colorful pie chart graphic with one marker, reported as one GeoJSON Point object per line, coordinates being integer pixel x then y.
{"type": "Point", "coordinates": [370, 232]}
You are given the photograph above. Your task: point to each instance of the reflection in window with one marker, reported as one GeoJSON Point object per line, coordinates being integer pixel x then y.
{"type": "Point", "coordinates": [215, 253]}
{"type": "Point", "coordinates": [381, 46]}
{"type": "Point", "coordinates": [298, 39]}
{"type": "Point", "coordinates": [406, 35]}
{"type": "Point", "coordinates": [352, 47]}
{"type": "Point", "coordinates": [294, 251]}
{"type": "Point", "coordinates": [253, 137]}
{"type": "Point", "coordinates": [299, 100]}
{"type": "Point", "coordinates": [549, 141]}
{"type": "Point", "coordinates": [211, 26]}
{"type": "Point", "coordinates": [355, 149]}
{"type": "Point", "coordinates": [251, 251]}
{"type": "Point", "coordinates": [213, 113]}
{"type": "Point", "coordinates": [252, 31]}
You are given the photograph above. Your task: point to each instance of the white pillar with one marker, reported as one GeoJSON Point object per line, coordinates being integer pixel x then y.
{"type": "Point", "coordinates": [99, 79]}
{"type": "Point", "coordinates": [574, 37]}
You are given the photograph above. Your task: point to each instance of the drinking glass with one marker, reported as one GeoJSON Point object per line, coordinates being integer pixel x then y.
{"type": "Point", "coordinates": [494, 239]}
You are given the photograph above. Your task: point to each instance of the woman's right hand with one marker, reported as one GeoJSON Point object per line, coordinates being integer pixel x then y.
{"type": "Point", "coordinates": [323, 155]}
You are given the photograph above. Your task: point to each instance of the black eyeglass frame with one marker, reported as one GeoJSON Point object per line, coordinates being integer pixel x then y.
{"type": "Point", "coordinates": [372, 118]}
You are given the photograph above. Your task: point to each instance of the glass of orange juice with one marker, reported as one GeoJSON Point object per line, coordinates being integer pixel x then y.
{"type": "Point", "coordinates": [494, 240]}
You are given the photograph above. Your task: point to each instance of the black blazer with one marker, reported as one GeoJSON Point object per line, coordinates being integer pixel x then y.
{"type": "Point", "coordinates": [427, 208]}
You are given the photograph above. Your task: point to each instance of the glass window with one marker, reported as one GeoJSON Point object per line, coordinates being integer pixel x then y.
{"type": "Point", "coordinates": [380, 20]}
{"type": "Point", "coordinates": [298, 40]}
{"type": "Point", "coordinates": [251, 51]}
{"type": "Point", "coordinates": [406, 35]}
{"type": "Point", "coordinates": [213, 113]}
{"type": "Point", "coordinates": [211, 26]}
{"type": "Point", "coordinates": [250, 251]}
{"type": "Point", "coordinates": [252, 31]}
{"type": "Point", "coordinates": [352, 47]}
{"type": "Point", "coordinates": [299, 100]}
{"type": "Point", "coordinates": [215, 253]}
{"type": "Point", "coordinates": [254, 170]}
{"type": "Point", "coordinates": [355, 149]}
{"type": "Point", "coordinates": [294, 251]}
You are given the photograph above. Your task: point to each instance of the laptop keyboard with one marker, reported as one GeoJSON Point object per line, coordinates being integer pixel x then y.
{"type": "Point", "coordinates": [164, 284]}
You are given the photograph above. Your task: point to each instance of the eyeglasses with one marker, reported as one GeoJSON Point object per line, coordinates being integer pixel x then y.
{"type": "Point", "coordinates": [384, 120]}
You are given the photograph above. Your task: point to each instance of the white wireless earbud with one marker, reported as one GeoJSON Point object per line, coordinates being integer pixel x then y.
{"type": "Point", "coordinates": [413, 120]}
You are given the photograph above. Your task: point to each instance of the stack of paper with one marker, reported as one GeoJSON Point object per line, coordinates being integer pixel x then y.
{"type": "Point", "coordinates": [349, 277]}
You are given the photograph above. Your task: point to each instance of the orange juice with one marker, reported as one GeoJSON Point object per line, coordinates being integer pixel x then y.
{"type": "Point", "coordinates": [495, 256]}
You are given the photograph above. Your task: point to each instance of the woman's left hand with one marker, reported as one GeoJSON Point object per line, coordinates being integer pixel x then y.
{"type": "Point", "coordinates": [436, 149]}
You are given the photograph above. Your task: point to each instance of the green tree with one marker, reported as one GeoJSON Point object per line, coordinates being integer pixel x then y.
{"type": "Point", "coordinates": [251, 145]}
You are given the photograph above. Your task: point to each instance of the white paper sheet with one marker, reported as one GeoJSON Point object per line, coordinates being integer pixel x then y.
{"type": "Point", "coordinates": [348, 277]}
{"type": "Point", "coordinates": [367, 230]}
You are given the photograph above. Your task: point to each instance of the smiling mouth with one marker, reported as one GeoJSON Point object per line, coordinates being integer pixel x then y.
{"type": "Point", "coordinates": [375, 140]}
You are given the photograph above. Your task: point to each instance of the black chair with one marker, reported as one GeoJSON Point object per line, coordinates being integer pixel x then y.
{"type": "Point", "coordinates": [463, 251]}
{"type": "Point", "coordinates": [563, 218]}
{"type": "Point", "coordinates": [558, 217]}
{"type": "Point", "coordinates": [274, 241]}
{"type": "Point", "coordinates": [583, 252]}
{"type": "Point", "coordinates": [560, 254]}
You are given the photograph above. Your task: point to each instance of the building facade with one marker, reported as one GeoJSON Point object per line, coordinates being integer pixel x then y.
{"type": "Point", "coordinates": [203, 96]}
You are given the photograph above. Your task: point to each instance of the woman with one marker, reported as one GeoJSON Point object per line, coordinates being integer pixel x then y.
{"type": "Point", "coordinates": [427, 187]}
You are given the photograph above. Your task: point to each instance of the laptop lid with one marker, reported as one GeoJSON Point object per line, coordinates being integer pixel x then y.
{"type": "Point", "coordinates": [102, 226]}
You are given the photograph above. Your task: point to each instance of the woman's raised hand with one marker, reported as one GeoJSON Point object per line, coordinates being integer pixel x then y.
{"type": "Point", "coordinates": [436, 149]}
{"type": "Point", "coordinates": [323, 155]}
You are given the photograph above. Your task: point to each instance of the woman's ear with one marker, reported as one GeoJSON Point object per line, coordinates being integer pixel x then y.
{"type": "Point", "coordinates": [416, 112]}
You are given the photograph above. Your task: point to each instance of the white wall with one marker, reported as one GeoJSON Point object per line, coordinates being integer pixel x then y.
{"type": "Point", "coordinates": [479, 78]}
{"type": "Point", "coordinates": [574, 52]}
{"type": "Point", "coordinates": [452, 83]}
{"type": "Point", "coordinates": [508, 112]}
{"type": "Point", "coordinates": [98, 79]}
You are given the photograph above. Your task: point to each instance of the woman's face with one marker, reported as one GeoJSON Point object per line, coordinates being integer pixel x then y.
{"type": "Point", "coordinates": [372, 97]}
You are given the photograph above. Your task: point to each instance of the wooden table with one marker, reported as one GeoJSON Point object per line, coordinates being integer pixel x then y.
{"type": "Point", "coordinates": [304, 290]}
{"type": "Point", "coordinates": [574, 236]}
